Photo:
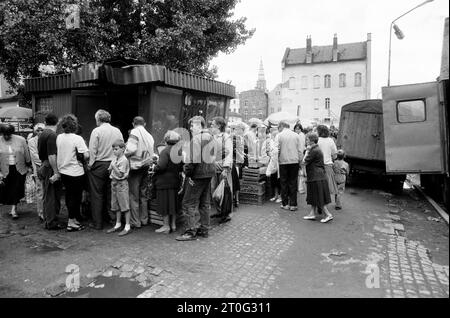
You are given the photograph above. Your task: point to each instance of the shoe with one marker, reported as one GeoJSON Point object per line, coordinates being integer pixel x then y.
{"type": "Point", "coordinates": [14, 216]}
{"type": "Point", "coordinates": [309, 217]}
{"type": "Point", "coordinates": [325, 220]}
{"type": "Point", "coordinates": [278, 200]}
{"type": "Point", "coordinates": [202, 233]}
{"type": "Point", "coordinates": [55, 227]}
{"type": "Point", "coordinates": [337, 208]}
{"type": "Point", "coordinates": [95, 227]}
{"type": "Point", "coordinates": [114, 229]}
{"type": "Point", "coordinates": [72, 228]}
{"type": "Point", "coordinates": [293, 208]}
{"type": "Point", "coordinates": [173, 229]}
{"type": "Point", "coordinates": [124, 232]}
{"type": "Point", "coordinates": [163, 229]}
{"type": "Point", "coordinates": [285, 207]}
{"type": "Point", "coordinates": [134, 227]}
{"type": "Point", "coordinates": [225, 220]}
{"type": "Point", "coordinates": [273, 199]}
{"type": "Point", "coordinates": [187, 236]}
{"type": "Point", "coordinates": [41, 219]}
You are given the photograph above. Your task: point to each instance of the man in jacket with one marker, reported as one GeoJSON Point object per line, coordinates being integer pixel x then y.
{"type": "Point", "coordinates": [290, 156]}
{"type": "Point", "coordinates": [199, 169]}
{"type": "Point", "coordinates": [140, 152]}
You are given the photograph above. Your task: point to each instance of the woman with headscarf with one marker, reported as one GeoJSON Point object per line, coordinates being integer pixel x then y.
{"type": "Point", "coordinates": [167, 183]}
{"type": "Point", "coordinates": [15, 162]}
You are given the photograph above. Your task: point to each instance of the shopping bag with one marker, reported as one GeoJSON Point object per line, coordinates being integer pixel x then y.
{"type": "Point", "coordinates": [301, 183]}
{"type": "Point", "coordinates": [219, 192]}
{"type": "Point", "coordinates": [30, 189]}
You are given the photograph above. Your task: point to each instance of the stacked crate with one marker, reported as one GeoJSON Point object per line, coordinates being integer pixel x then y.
{"type": "Point", "coordinates": [253, 187]}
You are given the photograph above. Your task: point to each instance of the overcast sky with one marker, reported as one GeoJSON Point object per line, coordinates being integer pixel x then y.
{"type": "Point", "coordinates": [286, 23]}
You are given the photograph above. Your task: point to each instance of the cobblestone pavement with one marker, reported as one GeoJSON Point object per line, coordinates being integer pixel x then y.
{"type": "Point", "coordinates": [239, 260]}
{"type": "Point", "coordinates": [262, 252]}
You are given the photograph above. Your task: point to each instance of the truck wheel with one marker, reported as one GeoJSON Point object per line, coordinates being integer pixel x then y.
{"type": "Point", "coordinates": [396, 184]}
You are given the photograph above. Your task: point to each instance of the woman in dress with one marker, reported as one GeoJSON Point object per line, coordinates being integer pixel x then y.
{"type": "Point", "coordinates": [167, 180]}
{"type": "Point", "coordinates": [317, 192]}
{"type": "Point", "coordinates": [15, 162]}
{"type": "Point", "coordinates": [329, 150]}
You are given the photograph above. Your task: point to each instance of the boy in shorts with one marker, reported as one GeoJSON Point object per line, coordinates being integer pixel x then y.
{"type": "Point", "coordinates": [340, 168]}
{"type": "Point", "coordinates": [120, 201]}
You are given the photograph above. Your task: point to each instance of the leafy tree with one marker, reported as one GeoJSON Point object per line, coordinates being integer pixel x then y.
{"type": "Point", "coordinates": [180, 34]}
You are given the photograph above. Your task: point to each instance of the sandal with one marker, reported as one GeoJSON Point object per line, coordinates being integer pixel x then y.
{"type": "Point", "coordinates": [74, 228]}
{"type": "Point", "coordinates": [309, 217]}
{"type": "Point", "coordinates": [325, 220]}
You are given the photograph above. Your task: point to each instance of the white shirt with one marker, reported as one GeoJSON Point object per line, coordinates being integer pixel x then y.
{"type": "Point", "coordinates": [66, 158]}
{"type": "Point", "coordinates": [328, 148]}
{"type": "Point", "coordinates": [139, 148]}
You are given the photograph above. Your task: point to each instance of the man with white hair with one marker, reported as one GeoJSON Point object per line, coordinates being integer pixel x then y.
{"type": "Point", "coordinates": [101, 155]}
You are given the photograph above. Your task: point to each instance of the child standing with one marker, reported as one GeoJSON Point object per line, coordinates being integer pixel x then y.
{"type": "Point", "coordinates": [340, 168]}
{"type": "Point", "coordinates": [120, 201]}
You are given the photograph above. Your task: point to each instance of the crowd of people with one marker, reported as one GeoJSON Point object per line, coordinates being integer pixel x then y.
{"type": "Point", "coordinates": [114, 179]}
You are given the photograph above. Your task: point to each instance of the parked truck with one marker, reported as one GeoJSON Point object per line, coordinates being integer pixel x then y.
{"type": "Point", "coordinates": [407, 132]}
{"type": "Point", "coordinates": [361, 135]}
{"type": "Point", "coordinates": [416, 130]}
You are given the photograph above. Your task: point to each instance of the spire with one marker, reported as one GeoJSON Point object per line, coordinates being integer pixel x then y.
{"type": "Point", "coordinates": [261, 83]}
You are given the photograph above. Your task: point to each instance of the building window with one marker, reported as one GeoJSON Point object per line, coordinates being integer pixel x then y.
{"type": "Point", "coordinates": [272, 109]}
{"type": "Point", "coordinates": [304, 82]}
{"type": "Point", "coordinates": [342, 80]}
{"type": "Point", "coordinates": [327, 103]}
{"type": "Point", "coordinates": [245, 103]}
{"type": "Point", "coordinates": [291, 82]}
{"type": "Point", "coordinates": [327, 81]}
{"type": "Point", "coordinates": [279, 109]}
{"type": "Point", "coordinates": [357, 79]}
{"type": "Point", "coordinates": [316, 103]}
{"type": "Point", "coordinates": [316, 81]}
{"type": "Point", "coordinates": [44, 104]}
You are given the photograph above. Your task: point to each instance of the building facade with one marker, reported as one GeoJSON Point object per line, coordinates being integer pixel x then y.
{"type": "Point", "coordinates": [319, 80]}
{"type": "Point", "coordinates": [254, 103]}
{"type": "Point", "coordinates": [275, 100]}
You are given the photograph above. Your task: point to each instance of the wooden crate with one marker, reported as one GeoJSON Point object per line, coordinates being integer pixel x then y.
{"type": "Point", "coordinates": [253, 188]}
{"type": "Point", "coordinates": [155, 218]}
{"type": "Point", "coordinates": [254, 199]}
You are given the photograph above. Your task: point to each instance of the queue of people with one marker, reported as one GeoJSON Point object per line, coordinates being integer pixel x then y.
{"type": "Point", "coordinates": [116, 174]}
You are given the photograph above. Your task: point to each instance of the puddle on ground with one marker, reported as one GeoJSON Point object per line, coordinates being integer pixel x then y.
{"type": "Point", "coordinates": [108, 287]}
{"type": "Point", "coordinates": [45, 248]}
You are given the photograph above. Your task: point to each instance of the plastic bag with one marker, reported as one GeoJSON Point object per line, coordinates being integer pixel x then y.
{"type": "Point", "coordinates": [301, 182]}
{"type": "Point", "coordinates": [30, 189]}
{"type": "Point", "coordinates": [219, 192]}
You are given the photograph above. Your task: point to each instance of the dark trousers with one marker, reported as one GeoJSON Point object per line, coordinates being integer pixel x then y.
{"type": "Point", "coordinates": [275, 183]}
{"type": "Point", "coordinates": [74, 190]}
{"type": "Point", "coordinates": [51, 195]}
{"type": "Point", "coordinates": [138, 185]}
{"type": "Point", "coordinates": [196, 204]}
{"type": "Point", "coordinates": [100, 190]}
{"type": "Point", "coordinates": [289, 183]}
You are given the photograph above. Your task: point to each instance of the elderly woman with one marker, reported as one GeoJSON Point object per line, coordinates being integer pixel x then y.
{"type": "Point", "coordinates": [272, 171]}
{"type": "Point", "coordinates": [167, 183]}
{"type": "Point", "coordinates": [69, 144]}
{"type": "Point", "coordinates": [317, 193]}
{"type": "Point", "coordinates": [14, 164]}
{"type": "Point", "coordinates": [36, 162]}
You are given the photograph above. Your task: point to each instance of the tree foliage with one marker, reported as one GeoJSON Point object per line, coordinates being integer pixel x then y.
{"type": "Point", "coordinates": [180, 34]}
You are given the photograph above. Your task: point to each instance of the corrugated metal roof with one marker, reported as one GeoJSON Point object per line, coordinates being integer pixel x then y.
{"type": "Point", "coordinates": [91, 75]}
{"type": "Point", "coordinates": [324, 54]}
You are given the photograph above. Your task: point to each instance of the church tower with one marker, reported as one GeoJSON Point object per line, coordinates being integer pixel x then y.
{"type": "Point", "coordinates": [261, 83]}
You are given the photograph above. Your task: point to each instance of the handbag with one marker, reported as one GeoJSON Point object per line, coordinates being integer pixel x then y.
{"type": "Point", "coordinates": [145, 156]}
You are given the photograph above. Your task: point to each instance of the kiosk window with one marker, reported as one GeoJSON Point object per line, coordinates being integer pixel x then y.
{"type": "Point", "coordinates": [411, 111]}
